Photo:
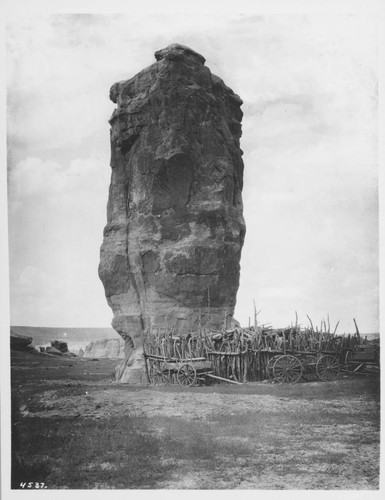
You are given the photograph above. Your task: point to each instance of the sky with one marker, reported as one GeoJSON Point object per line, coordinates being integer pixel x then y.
{"type": "Point", "coordinates": [309, 85]}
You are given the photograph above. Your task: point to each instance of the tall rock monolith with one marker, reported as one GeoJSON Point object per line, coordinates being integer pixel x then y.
{"type": "Point", "coordinates": [172, 244]}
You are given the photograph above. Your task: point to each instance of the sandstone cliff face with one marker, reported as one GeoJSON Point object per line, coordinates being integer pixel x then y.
{"type": "Point", "coordinates": [175, 229]}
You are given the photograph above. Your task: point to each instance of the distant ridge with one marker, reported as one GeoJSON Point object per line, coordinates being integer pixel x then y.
{"type": "Point", "coordinates": [59, 332]}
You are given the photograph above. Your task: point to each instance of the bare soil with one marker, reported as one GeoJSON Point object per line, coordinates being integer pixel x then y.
{"type": "Point", "coordinates": [74, 427]}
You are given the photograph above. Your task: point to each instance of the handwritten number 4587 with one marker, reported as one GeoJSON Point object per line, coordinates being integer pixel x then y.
{"type": "Point", "coordinates": [33, 485]}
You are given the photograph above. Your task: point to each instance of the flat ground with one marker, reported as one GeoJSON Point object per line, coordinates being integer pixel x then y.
{"type": "Point", "coordinates": [74, 427]}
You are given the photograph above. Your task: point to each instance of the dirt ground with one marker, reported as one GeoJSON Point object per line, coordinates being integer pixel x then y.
{"type": "Point", "coordinates": [315, 435]}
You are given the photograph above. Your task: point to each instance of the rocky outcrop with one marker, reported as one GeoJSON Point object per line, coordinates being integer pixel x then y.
{"type": "Point", "coordinates": [53, 350]}
{"type": "Point", "coordinates": [107, 348]}
{"type": "Point", "coordinates": [60, 345]}
{"type": "Point", "coordinates": [175, 229]}
{"type": "Point", "coordinates": [20, 342]}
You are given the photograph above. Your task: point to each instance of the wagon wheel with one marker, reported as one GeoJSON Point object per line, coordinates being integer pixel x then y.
{"type": "Point", "coordinates": [186, 375]}
{"type": "Point", "coordinates": [270, 364]}
{"type": "Point", "coordinates": [328, 367]}
{"type": "Point", "coordinates": [158, 373]}
{"type": "Point", "coordinates": [287, 369]}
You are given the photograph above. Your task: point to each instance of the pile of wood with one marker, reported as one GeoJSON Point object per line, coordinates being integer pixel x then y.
{"type": "Point", "coordinates": [242, 354]}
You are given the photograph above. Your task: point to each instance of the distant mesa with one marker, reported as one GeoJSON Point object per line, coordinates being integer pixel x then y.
{"type": "Point", "coordinates": [172, 245]}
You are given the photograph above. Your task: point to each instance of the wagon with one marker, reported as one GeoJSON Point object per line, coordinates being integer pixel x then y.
{"type": "Point", "coordinates": [185, 372]}
{"type": "Point", "coordinates": [362, 359]}
{"type": "Point", "coordinates": [292, 367]}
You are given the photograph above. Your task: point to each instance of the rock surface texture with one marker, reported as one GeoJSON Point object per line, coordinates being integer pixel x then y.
{"type": "Point", "coordinates": [106, 348]}
{"type": "Point", "coordinates": [175, 229]}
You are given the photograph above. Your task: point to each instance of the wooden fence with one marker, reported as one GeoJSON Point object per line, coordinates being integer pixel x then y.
{"type": "Point", "coordinates": [242, 354]}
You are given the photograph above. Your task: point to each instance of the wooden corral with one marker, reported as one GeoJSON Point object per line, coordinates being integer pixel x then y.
{"type": "Point", "coordinates": [258, 353]}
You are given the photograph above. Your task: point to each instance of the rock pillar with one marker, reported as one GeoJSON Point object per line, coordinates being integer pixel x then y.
{"type": "Point", "coordinates": [172, 244]}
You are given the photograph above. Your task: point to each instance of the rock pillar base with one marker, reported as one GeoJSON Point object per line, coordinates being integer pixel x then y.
{"type": "Point", "coordinates": [132, 370]}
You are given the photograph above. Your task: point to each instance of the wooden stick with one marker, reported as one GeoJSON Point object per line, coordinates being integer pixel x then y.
{"type": "Point", "coordinates": [218, 353]}
{"type": "Point", "coordinates": [224, 379]}
{"type": "Point", "coordinates": [312, 327]}
{"type": "Point", "coordinates": [225, 321]}
{"type": "Point", "coordinates": [209, 306]}
{"type": "Point", "coordinates": [357, 331]}
{"type": "Point", "coordinates": [145, 364]}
